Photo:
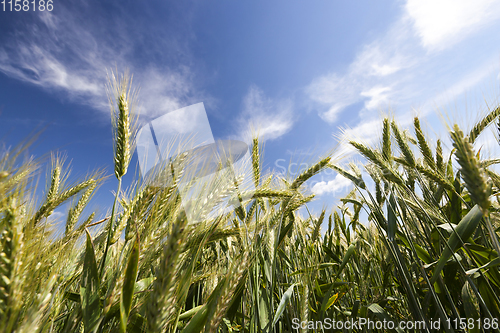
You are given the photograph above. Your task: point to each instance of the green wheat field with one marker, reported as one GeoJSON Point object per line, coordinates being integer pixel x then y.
{"type": "Point", "coordinates": [416, 242]}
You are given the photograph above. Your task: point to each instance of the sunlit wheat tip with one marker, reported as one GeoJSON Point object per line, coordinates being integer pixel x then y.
{"type": "Point", "coordinates": [423, 145]}
{"type": "Point", "coordinates": [474, 177]}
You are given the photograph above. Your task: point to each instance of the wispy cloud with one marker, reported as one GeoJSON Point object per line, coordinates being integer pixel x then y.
{"type": "Point", "coordinates": [333, 93]}
{"type": "Point", "coordinates": [413, 63]}
{"type": "Point", "coordinates": [267, 117]}
{"type": "Point", "coordinates": [165, 90]}
{"type": "Point", "coordinates": [34, 62]}
{"type": "Point", "coordinates": [70, 54]}
{"type": "Point", "coordinates": [335, 186]}
{"type": "Point", "coordinates": [377, 95]}
{"type": "Point", "coordinates": [371, 77]}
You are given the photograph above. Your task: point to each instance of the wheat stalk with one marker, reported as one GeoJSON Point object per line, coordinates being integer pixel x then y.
{"type": "Point", "coordinates": [483, 124]}
{"type": "Point", "coordinates": [233, 279]}
{"type": "Point", "coordinates": [75, 212]}
{"type": "Point", "coordinates": [54, 183]}
{"type": "Point", "coordinates": [386, 140]}
{"type": "Point", "coordinates": [403, 145]}
{"type": "Point", "coordinates": [123, 120]}
{"type": "Point", "coordinates": [377, 159]}
{"type": "Point", "coordinates": [11, 243]}
{"type": "Point", "coordinates": [256, 162]}
{"type": "Point", "coordinates": [49, 205]}
{"type": "Point", "coordinates": [474, 177]}
{"type": "Point", "coordinates": [311, 171]}
{"type": "Point", "coordinates": [422, 144]}
{"type": "Point", "coordinates": [162, 298]}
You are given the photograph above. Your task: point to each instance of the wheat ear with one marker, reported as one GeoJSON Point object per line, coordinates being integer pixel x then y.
{"type": "Point", "coordinates": [474, 177]}
{"type": "Point", "coordinates": [422, 144]}
{"type": "Point", "coordinates": [403, 145]}
{"type": "Point", "coordinates": [481, 125]}
{"type": "Point", "coordinates": [256, 162]}
{"type": "Point", "coordinates": [11, 243]}
{"type": "Point", "coordinates": [319, 166]}
{"type": "Point", "coordinates": [160, 306]}
{"type": "Point", "coordinates": [386, 140]}
{"type": "Point", "coordinates": [75, 212]}
{"type": "Point", "coordinates": [124, 124]}
{"type": "Point", "coordinates": [123, 120]}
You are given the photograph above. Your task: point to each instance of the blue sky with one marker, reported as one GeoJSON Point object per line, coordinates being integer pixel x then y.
{"type": "Point", "coordinates": [305, 73]}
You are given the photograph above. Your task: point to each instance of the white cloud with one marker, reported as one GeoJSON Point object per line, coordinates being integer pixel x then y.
{"type": "Point", "coordinates": [383, 70]}
{"type": "Point", "coordinates": [366, 131]}
{"type": "Point", "coordinates": [57, 216]}
{"type": "Point", "coordinates": [49, 19]}
{"type": "Point", "coordinates": [58, 55]}
{"type": "Point", "coordinates": [384, 56]}
{"type": "Point", "coordinates": [334, 91]}
{"type": "Point", "coordinates": [35, 65]}
{"type": "Point", "coordinates": [335, 186]}
{"type": "Point", "coordinates": [378, 96]}
{"type": "Point", "coordinates": [377, 67]}
{"type": "Point", "coordinates": [67, 54]}
{"type": "Point", "coordinates": [164, 91]}
{"type": "Point", "coordinates": [268, 118]}
{"type": "Point", "coordinates": [440, 23]}
{"type": "Point", "coordinates": [396, 71]}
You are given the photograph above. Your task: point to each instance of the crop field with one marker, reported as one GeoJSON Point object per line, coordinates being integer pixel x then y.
{"type": "Point", "coordinates": [416, 242]}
